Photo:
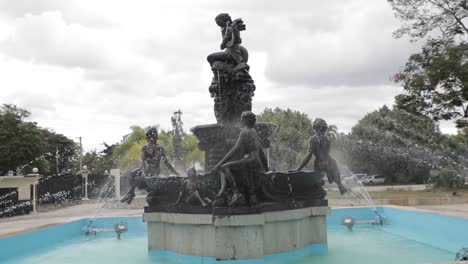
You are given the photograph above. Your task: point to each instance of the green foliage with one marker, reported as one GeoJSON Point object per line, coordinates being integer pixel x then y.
{"type": "Point", "coordinates": [98, 163]}
{"type": "Point", "coordinates": [128, 153]}
{"type": "Point", "coordinates": [402, 146]}
{"type": "Point", "coordinates": [445, 18]}
{"type": "Point", "coordinates": [436, 83]}
{"type": "Point", "coordinates": [291, 139]}
{"type": "Point", "coordinates": [447, 178]}
{"type": "Point", "coordinates": [135, 137]}
{"type": "Point", "coordinates": [462, 136]}
{"type": "Point", "coordinates": [24, 145]}
{"type": "Point", "coordinates": [60, 151]}
{"type": "Point", "coordinates": [192, 154]}
{"type": "Point", "coordinates": [21, 142]}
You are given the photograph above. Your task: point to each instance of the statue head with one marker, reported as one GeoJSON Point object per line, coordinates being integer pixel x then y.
{"type": "Point", "coordinates": [320, 126]}
{"type": "Point", "coordinates": [191, 173]}
{"type": "Point", "coordinates": [152, 135]}
{"type": "Point", "coordinates": [222, 19]}
{"type": "Point", "coordinates": [248, 119]}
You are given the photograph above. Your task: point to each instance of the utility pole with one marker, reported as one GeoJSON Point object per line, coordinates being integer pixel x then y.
{"type": "Point", "coordinates": [57, 160]}
{"type": "Point", "coordinates": [83, 172]}
{"type": "Point", "coordinates": [177, 138]}
{"type": "Point", "coordinates": [81, 157]}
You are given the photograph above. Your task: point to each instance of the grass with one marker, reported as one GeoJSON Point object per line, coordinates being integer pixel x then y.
{"type": "Point", "coordinates": [392, 193]}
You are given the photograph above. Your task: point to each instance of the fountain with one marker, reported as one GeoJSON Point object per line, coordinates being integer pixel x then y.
{"type": "Point", "coordinates": [356, 189]}
{"type": "Point", "coordinates": [237, 209]}
{"type": "Point", "coordinates": [103, 196]}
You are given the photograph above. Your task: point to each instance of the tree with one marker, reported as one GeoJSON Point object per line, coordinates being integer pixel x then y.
{"type": "Point", "coordinates": [21, 142]}
{"type": "Point", "coordinates": [402, 146]}
{"type": "Point", "coordinates": [61, 152]}
{"type": "Point", "coordinates": [192, 154]}
{"type": "Point", "coordinates": [96, 162]}
{"type": "Point", "coordinates": [128, 152]}
{"type": "Point", "coordinates": [291, 140]}
{"type": "Point", "coordinates": [435, 81]}
{"type": "Point", "coordinates": [445, 18]}
{"type": "Point", "coordinates": [462, 136]}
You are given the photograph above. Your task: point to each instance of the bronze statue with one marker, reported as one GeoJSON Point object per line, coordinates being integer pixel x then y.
{"type": "Point", "coordinates": [232, 86]}
{"type": "Point", "coordinates": [238, 172]}
{"type": "Point", "coordinates": [151, 156]}
{"type": "Point", "coordinates": [251, 159]}
{"type": "Point", "coordinates": [231, 40]}
{"type": "Point", "coordinates": [190, 191]}
{"type": "Point", "coordinates": [320, 147]}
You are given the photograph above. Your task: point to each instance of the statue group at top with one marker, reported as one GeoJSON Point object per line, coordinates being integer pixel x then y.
{"type": "Point", "coordinates": [238, 170]}
{"type": "Point", "coordinates": [232, 86]}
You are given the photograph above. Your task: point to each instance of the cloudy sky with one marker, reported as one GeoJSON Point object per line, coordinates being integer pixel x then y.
{"type": "Point", "coordinates": [93, 68]}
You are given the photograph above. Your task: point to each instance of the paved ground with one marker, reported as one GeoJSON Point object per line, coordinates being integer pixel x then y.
{"type": "Point", "coordinates": [20, 224]}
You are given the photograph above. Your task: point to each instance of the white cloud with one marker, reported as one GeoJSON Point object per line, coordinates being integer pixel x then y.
{"type": "Point", "coordinates": [93, 68]}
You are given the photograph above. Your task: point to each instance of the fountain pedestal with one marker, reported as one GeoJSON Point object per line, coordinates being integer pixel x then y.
{"type": "Point", "coordinates": [216, 139]}
{"type": "Point", "coordinates": [238, 236]}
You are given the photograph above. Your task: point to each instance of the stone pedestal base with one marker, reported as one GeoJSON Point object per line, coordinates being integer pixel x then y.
{"type": "Point", "coordinates": [248, 236]}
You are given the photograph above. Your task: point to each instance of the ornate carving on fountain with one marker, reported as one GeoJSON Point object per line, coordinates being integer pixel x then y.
{"type": "Point", "coordinates": [232, 89]}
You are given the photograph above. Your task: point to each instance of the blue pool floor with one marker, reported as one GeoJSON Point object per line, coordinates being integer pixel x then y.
{"type": "Point", "coordinates": [365, 244]}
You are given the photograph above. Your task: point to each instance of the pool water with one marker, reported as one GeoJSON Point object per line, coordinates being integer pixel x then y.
{"type": "Point", "coordinates": [407, 237]}
{"type": "Point", "coordinates": [365, 244]}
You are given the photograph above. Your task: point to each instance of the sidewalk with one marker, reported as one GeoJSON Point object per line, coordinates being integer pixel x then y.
{"type": "Point", "coordinates": [19, 224]}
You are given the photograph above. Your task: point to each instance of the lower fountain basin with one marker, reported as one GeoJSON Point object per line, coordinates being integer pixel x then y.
{"type": "Point", "coordinates": [408, 237]}
{"type": "Point", "coordinates": [244, 236]}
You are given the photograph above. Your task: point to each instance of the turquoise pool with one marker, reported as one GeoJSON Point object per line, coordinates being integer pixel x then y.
{"type": "Point", "coordinates": [408, 237]}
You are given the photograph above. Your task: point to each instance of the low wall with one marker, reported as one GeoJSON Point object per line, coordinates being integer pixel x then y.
{"type": "Point", "coordinates": [231, 237]}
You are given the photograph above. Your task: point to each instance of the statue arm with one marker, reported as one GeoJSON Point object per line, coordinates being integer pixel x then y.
{"type": "Point", "coordinates": [305, 161]}
{"type": "Point", "coordinates": [263, 159]}
{"type": "Point", "coordinates": [230, 34]}
{"type": "Point", "coordinates": [225, 39]}
{"type": "Point", "coordinates": [168, 164]}
{"type": "Point", "coordinates": [308, 156]}
{"type": "Point", "coordinates": [226, 36]}
{"type": "Point", "coordinates": [143, 158]}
